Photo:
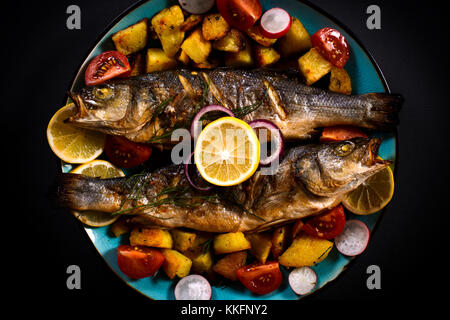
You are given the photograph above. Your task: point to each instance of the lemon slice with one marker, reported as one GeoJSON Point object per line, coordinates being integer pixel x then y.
{"type": "Point", "coordinates": [72, 144]}
{"type": "Point", "coordinates": [227, 152]}
{"type": "Point", "coordinates": [102, 169]}
{"type": "Point", "coordinates": [372, 195]}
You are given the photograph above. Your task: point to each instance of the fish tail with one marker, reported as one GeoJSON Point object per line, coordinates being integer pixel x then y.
{"type": "Point", "coordinates": [383, 109]}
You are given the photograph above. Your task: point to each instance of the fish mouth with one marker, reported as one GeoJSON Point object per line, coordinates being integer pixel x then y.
{"type": "Point", "coordinates": [372, 155]}
{"type": "Point", "coordinates": [81, 110]}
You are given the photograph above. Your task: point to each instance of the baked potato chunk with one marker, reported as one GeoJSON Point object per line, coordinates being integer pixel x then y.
{"type": "Point", "coordinates": [132, 39]}
{"type": "Point", "coordinates": [176, 264]}
{"type": "Point", "coordinates": [313, 66]}
{"type": "Point", "coordinates": [243, 58]}
{"type": "Point", "coordinates": [296, 40]}
{"type": "Point", "coordinates": [196, 47]}
{"type": "Point", "coordinates": [157, 60]}
{"type": "Point", "coordinates": [256, 35]}
{"type": "Point", "coordinates": [190, 22]}
{"type": "Point", "coordinates": [305, 251]}
{"type": "Point", "coordinates": [120, 226]}
{"type": "Point", "coordinates": [296, 228]}
{"type": "Point", "coordinates": [209, 64]}
{"type": "Point", "coordinates": [340, 81]}
{"type": "Point", "coordinates": [167, 24]}
{"type": "Point", "coordinates": [182, 240]}
{"type": "Point", "coordinates": [214, 27]}
{"type": "Point", "coordinates": [202, 261]}
{"type": "Point", "coordinates": [265, 56]}
{"type": "Point", "coordinates": [137, 65]}
{"type": "Point", "coordinates": [183, 57]}
{"type": "Point", "coordinates": [230, 242]}
{"type": "Point", "coordinates": [228, 265]}
{"type": "Point", "coordinates": [261, 243]}
{"type": "Point", "coordinates": [151, 237]}
{"type": "Point", "coordinates": [234, 41]}
{"type": "Point", "coordinates": [280, 238]}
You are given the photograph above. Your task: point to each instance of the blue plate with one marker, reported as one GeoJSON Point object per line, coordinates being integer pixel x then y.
{"type": "Point", "coordinates": [366, 77]}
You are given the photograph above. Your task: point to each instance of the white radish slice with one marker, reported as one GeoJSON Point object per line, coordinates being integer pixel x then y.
{"type": "Point", "coordinates": [196, 6]}
{"type": "Point", "coordinates": [193, 287]}
{"type": "Point", "coordinates": [302, 280]}
{"type": "Point", "coordinates": [354, 239]}
{"type": "Point", "coordinates": [275, 23]}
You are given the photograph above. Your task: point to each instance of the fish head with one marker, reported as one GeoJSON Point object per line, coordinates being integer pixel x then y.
{"type": "Point", "coordinates": [339, 167]}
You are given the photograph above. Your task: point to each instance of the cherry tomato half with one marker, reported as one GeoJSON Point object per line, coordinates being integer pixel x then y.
{"type": "Point", "coordinates": [327, 225]}
{"type": "Point", "coordinates": [125, 153]}
{"type": "Point", "coordinates": [241, 14]}
{"type": "Point", "coordinates": [260, 278]}
{"type": "Point", "coordinates": [105, 66]}
{"type": "Point", "coordinates": [338, 133]}
{"type": "Point", "coordinates": [332, 45]}
{"type": "Point", "coordinates": [138, 262]}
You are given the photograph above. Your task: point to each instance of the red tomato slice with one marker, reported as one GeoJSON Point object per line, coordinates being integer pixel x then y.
{"type": "Point", "coordinates": [327, 225]}
{"type": "Point", "coordinates": [105, 66]}
{"type": "Point", "coordinates": [332, 45]}
{"type": "Point", "coordinates": [125, 153]}
{"type": "Point", "coordinates": [338, 133]}
{"type": "Point", "coordinates": [241, 14]}
{"type": "Point", "coordinates": [138, 262]}
{"type": "Point", "coordinates": [260, 278]}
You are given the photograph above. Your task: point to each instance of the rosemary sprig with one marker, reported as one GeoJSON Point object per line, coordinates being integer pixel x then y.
{"type": "Point", "coordinates": [160, 108]}
{"type": "Point", "coordinates": [241, 112]}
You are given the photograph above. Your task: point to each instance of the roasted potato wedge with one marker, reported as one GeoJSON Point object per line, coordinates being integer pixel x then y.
{"type": "Point", "coordinates": [234, 41]}
{"type": "Point", "coordinates": [182, 240]}
{"type": "Point", "coordinates": [157, 60]}
{"type": "Point", "coordinates": [196, 47]}
{"type": "Point", "coordinates": [228, 265]}
{"type": "Point", "coordinates": [256, 35]}
{"type": "Point", "coordinates": [202, 261]}
{"type": "Point", "coordinates": [151, 237]}
{"type": "Point", "coordinates": [230, 242]}
{"type": "Point", "coordinates": [305, 251]}
{"type": "Point", "coordinates": [132, 39]}
{"type": "Point", "coordinates": [176, 264]}
{"type": "Point", "coordinates": [265, 56]}
{"type": "Point", "coordinates": [261, 243]}
{"type": "Point", "coordinates": [313, 66]}
{"type": "Point", "coordinates": [209, 64]}
{"type": "Point", "coordinates": [214, 27]}
{"type": "Point", "coordinates": [296, 228]}
{"type": "Point", "coordinates": [190, 22]}
{"type": "Point", "coordinates": [340, 81]}
{"type": "Point", "coordinates": [280, 238]}
{"type": "Point", "coordinates": [137, 65]}
{"type": "Point", "coordinates": [183, 57]}
{"type": "Point", "coordinates": [243, 58]}
{"type": "Point", "coordinates": [120, 226]}
{"type": "Point", "coordinates": [295, 41]}
{"type": "Point", "coordinates": [167, 24]}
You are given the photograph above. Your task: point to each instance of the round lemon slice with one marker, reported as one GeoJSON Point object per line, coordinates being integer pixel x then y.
{"type": "Point", "coordinates": [227, 152]}
{"type": "Point", "coordinates": [72, 144]}
{"type": "Point", "coordinates": [372, 195]}
{"type": "Point", "coordinates": [101, 169]}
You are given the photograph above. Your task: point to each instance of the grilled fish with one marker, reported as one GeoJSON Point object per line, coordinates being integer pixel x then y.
{"type": "Point", "coordinates": [308, 180]}
{"type": "Point", "coordinates": [148, 107]}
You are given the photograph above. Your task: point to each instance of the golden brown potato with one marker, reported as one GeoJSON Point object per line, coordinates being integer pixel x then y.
{"type": "Point", "coordinates": [296, 228]}
{"type": "Point", "coordinates": [201, 260]}
{"type": "Point", "coordinates": [167, 24]}
{"type": "Point", "coordinates": [137, 65]}
{"type": "Point", "coordinates": [230, 242]}
{"type": "Point", "coordinates": [256, 35]}
{"type": "Point", "coordinates": [176, 264]}
{"type": "Point", "coordinates": [279, 240]}
{"type": "Point", "coordinates": [313, 66]}
{"type": "Point", "coordinates": [265, 56]}
{"type": "Point", "coordinates": [340, 81]}
{"type": "Point", "coordinates": [183, 57]}
{"type": "Point", "coordinates": [120, 226]}
{"type": "Point", "coordinates": [190, 22]}
{"type": "Point", "coordinates": [243, 58]}
{"type": "Point", "coordinates": [196, 47]}
{"type": "Point", "coordinates": [182, 240]}
{"type": "Point", "coordinates": [296, 40]}
{"type": "Point", "coordinates": [234, 41]}
{"type": "Point", "coordinates": [261, 243]}
{"type": "Point", "coordinates": [228, 265]}
{"type": "Point", "coordinates": [214, 27]}
{"type": "Point", "coordinates": [133, 38]}
{"type": "Point", "coordinates": [151, 237]}
{"type": "Point", "coordinates": [305, 251]}
{"type": "Point", "coordinates": [157, 60]}
{"type": "Point", "coordinates": [209, 64]}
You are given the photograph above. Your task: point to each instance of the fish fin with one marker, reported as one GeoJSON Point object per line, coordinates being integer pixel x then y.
{"type": "Point", "coordinates": [383, 113]}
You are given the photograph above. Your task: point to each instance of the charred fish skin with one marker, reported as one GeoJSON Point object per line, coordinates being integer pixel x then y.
{"type": "Point", "coordinates": [147, 106]}
{"type": "Point", "coordinates": [309, 180]}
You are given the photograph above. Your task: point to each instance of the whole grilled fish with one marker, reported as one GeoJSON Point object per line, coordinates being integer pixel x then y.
{"type": "Point", "coordinates": [309, 180]}
{"type": "Point", "coordinates": [148, 107]}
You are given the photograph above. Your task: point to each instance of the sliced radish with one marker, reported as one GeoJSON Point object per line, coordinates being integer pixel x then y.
{"type": "Point", "coordinates": [193, 287]}
{"type": "Point", "coordinates": [196, 6]}
{"type": "Point", "coordinates": [277, 139]}
{"type": "Point", "coordinates": [302, 280]}
{"type": "Point", "coordinates": [354, 239]}
{"type": "Point", "coordinates": [195, 125]}
{"type": "Point", "coordinates": [275, 23]}
{"type": "Point", "coordinates": [188, 178]}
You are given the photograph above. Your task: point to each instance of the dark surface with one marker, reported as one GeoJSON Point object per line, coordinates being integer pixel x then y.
{"type": "Point", "coordinates": [41, 58]}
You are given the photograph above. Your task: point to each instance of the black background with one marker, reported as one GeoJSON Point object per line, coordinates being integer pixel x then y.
{"type": "Point", "coordinates": [41, 57]}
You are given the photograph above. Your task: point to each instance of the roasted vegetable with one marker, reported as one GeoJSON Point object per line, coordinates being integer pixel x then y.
{"type": "Point", "coordinates": [176, 264]}
{"type": "Point", "coordinates": [228, 265]}
{"type": "Point", "coordinates": [243, 58]}
{"type": "Point", "coordinates": [167, 25]}
{"type": "Point", "coordinates": [230, 242]}
{"type": "Point", "coordinates": [201, 260]}
{"type": "Point", "coordinates": [313, 66]}
{"type": "Point", "coordinates": [296, 228]}
{"type": "Point", "coordinates": [265, 56]}
{"type": "Point", "coordinates": [196, 47]}
{"type": "Point", "coordinates": [190, 22]}
{"type": "Point", "coordinates": [234, 41]}
{"type": "Point", "coordinates": [183, 57]}
{"type": "Point", "coordinates": [295, 41]}
{"type": "Point", "coordinates": [340, 81]}
{"type": "Point", "coordinates": [157, 60]}
{"type": "Point", "coordinates": [305, 251]}
{"type": "Point", "coordinates": [209, 64]}
{"type": "Point", "coordinates": [151, 237]}
{"type": "Point", "coordinates": [137, 65]}
{"type": "Point", "coordinates": [256, 35]}
{"type": "Point", "coordinates": [120, 226]}
{"type": "Point", "coordinates": [214, 27]}
{"type": "Point", "coordinates": [279, 240]}
{"type": "Point", "coordinates": [261, 243]}
{"type": "Point", "coordinates": [132, 39]}
{"type": "Point", "coordinates": [182, 240]}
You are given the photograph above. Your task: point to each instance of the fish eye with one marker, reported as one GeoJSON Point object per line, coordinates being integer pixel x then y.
{"type": "Point", "coordinates": [344, 149]}
{"type": "Point", "coordinates": [102, 93]}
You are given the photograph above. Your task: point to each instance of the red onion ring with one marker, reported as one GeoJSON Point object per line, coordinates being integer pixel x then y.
{"type": "Point", "coordinates": [188, 178]}
{"type": "Point", "coordinates": [195, 125]}
{"type": "Point", "coordinates": [276, 135]}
